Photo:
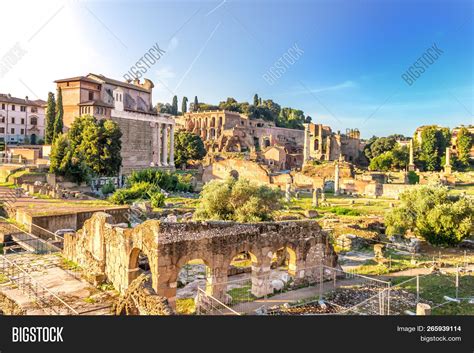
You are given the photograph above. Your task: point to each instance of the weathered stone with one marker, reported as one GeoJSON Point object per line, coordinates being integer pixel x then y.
{"type": "Point", "coordinates": [101, 248]}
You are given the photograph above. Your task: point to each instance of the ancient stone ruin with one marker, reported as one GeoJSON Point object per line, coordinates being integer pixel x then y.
{"type": "Point", "coordinates": [111, 253]}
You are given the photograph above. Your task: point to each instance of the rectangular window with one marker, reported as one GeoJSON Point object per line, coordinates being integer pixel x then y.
{"type": "Point", "coordinates": [22, 121]}
{"type": "Point", "coordinates": [22, 108]}
{"type": "Point", "coordinates": [3, 106]}
{"type": "Point", "coordinates": [91, 95]}
{"type": "Point", "coordinates": [22, 131]}
{"type": "Point", "coordinates": [13, 130]}
{"type": "Point", "coordinates": [13, 107]}
{"type": "Point", "coordinates": [2, 130]}
{"type": "Point", "coordinates": [2, 119]}
{"type": "Point", "coordinates": [13, 120]}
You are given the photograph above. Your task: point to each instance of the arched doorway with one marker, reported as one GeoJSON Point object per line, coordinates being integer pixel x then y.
{"type": "Point", "coordinates": [193, 275]}
{"type": "Point", "coordinates": [33, 139]}
{"type": "Point", "coordinates": [284, 269]}
{"type": "Point", "coordinates": [242, 279]}
{"type": "Point", "coordinates": [139, 264]}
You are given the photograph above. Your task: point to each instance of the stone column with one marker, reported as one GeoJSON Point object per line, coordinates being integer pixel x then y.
{"type": "Point", "coordinates": [411, 164]}
{"type": "Point", "coordinates": [447, 165]}
{"type": "Point", "coordinates": [288, 192]}
{"type": "Point", "coordinates": [336, 179]}
{"type": "Point", "coordinates": [307, 144]}
{"type": "Point", "coordinates": [154, 144]}
{"type": "Point", "coordinates": [261, 284]}
{"type": "Point", "coordinates": [159, 144]}
{"type": "Point", "coordinates": [315, 197]}
{"type": "Point", "coordinates": [164, 151]}
{"type": "Point", "coordinates": [172, 145]}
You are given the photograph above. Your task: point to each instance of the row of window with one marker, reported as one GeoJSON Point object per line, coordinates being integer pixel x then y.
{"type": "Point", "coordinates": [97, 110]}
{"type": "Point", "coordinates": [22, 108]}
{"type": "Point", "coordinates": [33, 120]}
{"type": "Point", "coordinates": [12, 131]}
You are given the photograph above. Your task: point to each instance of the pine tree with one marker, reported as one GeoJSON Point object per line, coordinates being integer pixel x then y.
{"type": "Point", "coordinates": [184, 105]}
{"type": "Point", "coordinates": [174, 105]}
{"type": "Point", "coordinates": [255, 100]}
{"type": "Point", "coordinates": [196, 104]}
{"type": "Point", "coordinates": [50, 117]}
{"type": "Point", "coordinates": [58, 121]}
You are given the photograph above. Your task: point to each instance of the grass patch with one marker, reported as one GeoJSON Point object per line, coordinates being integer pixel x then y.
{"type": "Point", "coordinates": [435, 287]}
{"type": "Point", "coordinates": [70, 265]}
{"type": "Point", "coordinates": [185, 306]}
{"type": "Point", "coordinates": [398, 262]}
{"type": "Point", "coordinates": [242, 263]}
{"type": "Point", "coordinates": [3, 278]}
{"type": "Point", "coordinates": [344, 211]}
{"type": "Point", "coordinates": [89, 300]}
{"type": "Point", "coordinates": [241, 294]}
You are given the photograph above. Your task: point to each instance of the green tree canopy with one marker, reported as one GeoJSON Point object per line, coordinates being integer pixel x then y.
{"type": "Point", "coordinates": [239, 200]}
{"type": "Point", "coordinates": [187, 146]}
{"type": "Point", "coordinates": [431, 213]}
{"type": "Point", "coordinates": [464, 143]}
{"type": "Point", "coordinates": [434, 141]}
{"type": "Point", "coordinates": [89, 148]}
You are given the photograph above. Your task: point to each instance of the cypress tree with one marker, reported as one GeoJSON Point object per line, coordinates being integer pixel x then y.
{"type": "Point", "coordinates": [184, 105]}
{"type": "Point", "coordinates": [174, 105]}
{"type": "Point", "coordinates": [255, 99]}
{"type": "Point", "coordinates": [196, 104]}
{"type": "Point", "coordinates": [50, 116]}
{"type": "Point", "coordinates": [58, 121]}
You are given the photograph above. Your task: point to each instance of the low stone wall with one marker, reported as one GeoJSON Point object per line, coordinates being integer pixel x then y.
{"type": "Point", "coordinates": [72, 220]}
{"type": "Point", "coordinates": [394, 190]}
{"type": "Point", "coordinates": [9, 306]}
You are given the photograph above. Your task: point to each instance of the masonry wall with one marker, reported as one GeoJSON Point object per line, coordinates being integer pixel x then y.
{"type": "Point", "coordinates": [111, 252]}
{"type": "Point", "coordinates": [246, 169]}
{"type": "Point", "coordinates": [137, 150]}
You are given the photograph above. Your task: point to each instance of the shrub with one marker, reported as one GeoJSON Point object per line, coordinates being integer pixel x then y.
{"type": "Point", "coordinates": [432, 214]}
{"type": "Point", "coordinates": [413, 178]}
{"type": "Point", "coordinates": [141, 190]}
{"type": "Point", "coordinates": [238, 200]}
{"type": "Point", "coordinates": [165, 180]}
{"type": "Point", "coordinates": [107, 188]}
{"type": "Point", "coordinates": [157, 199]}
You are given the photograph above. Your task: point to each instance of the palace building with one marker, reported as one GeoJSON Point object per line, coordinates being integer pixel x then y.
{"type": "Point", "coordinates": [148, 137]}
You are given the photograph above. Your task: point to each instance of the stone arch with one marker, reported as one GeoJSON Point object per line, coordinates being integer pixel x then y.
{"type": "Point", "coordinates": [220, 121]}
{"type": "Point", "coordinates": [213, 121]}
{"type": "Point", "coordinates": [183, 278]}
{"type": "Point", "coordinates": [134, 269]}
{"type": "Point", "coordinates": [260, 271]}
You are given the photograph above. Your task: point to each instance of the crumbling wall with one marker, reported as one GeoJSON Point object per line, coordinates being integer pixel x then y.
{"type": "Point", "coordinates": [245, 169]}
{"type": "Point", "coordinates": [140, 300]}
{"type": "Point", "coordinates": [9, 306]}
{"type": "Point", "coordinates": [111, 253]}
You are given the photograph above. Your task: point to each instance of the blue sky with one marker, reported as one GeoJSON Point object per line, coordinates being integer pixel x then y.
{"type": "Point", "coordinates": [349, 75]}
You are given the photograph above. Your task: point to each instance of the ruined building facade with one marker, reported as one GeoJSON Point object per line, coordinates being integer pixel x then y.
{"type": "Point", "coordinates": [321, 144]}
{"type": "Point", "coordinates": [227, 131]}
{"type": "Point", "coordinates": [111, 253]}
{"type": "Point", "coordinates": [147, 137]}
